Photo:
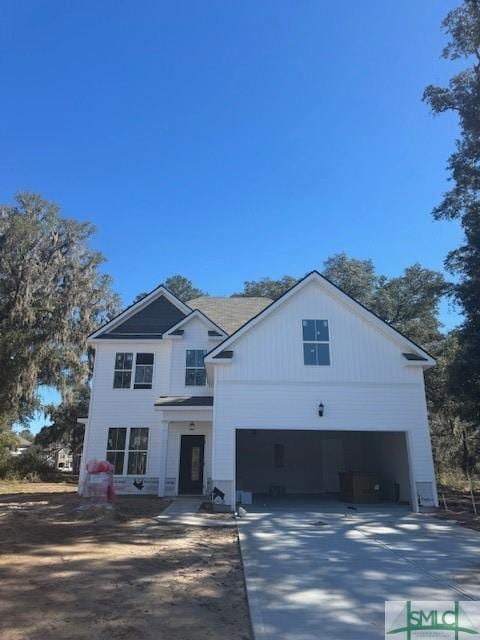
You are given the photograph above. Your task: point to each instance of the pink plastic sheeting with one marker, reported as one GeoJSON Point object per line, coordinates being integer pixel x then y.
{"type": "Point", "coordinates": [98, 482]}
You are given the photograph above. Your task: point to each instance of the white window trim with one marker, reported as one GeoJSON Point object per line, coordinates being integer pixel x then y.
{"type": "Point", "coordinates": [205, 351]}
{"type": "Point", "coordinates": [132, 371]}
{"type": "Point", "coordinates": [329, 342]}
{"type": "Point", "coordinates": [127, 450]}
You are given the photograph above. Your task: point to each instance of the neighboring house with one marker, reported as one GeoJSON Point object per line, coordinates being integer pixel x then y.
{"type": "Point", "coordinates": [63, 460]}
{"type": "Point", "coordinates": [260, 396]}
{"type": "Point", "coordinates": [22, 446]}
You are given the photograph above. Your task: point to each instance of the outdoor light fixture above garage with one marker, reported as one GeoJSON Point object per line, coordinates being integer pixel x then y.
{"type": "Point", "coordinates": [321, 409]}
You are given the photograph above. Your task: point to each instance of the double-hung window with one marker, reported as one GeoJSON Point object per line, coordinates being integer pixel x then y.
{"type": "Point", "coordinates": [143, 371]}
{"type": "Point", "coordinates": [195, 374]}
{"type": "Point", "coordinates": [316, 342]}
{"type": "Point", "coordinates": [117, 438]}
{"type": "Point", "coordinates": [137, 450]}
{"type": "Point", "coordinates": [122, 376]}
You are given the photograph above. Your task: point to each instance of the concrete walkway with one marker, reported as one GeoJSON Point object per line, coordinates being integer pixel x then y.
{"type": "Point", "coordinates": [325, 573]}
{"type": "Point", "coordinates": [183, 510]}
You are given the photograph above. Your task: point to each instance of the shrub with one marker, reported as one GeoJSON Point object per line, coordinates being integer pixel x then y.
{"type": "Point", "coordinates": [31, 465]}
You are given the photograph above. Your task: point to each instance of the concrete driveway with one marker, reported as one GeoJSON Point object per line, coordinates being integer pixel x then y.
{"type": "Point", "coordinates": [324, 572]}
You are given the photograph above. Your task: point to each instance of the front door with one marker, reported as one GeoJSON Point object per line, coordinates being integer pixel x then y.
{"type": "Point", "coordinates": [191, 464]}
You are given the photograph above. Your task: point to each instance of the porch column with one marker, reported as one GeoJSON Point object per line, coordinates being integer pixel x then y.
{"type": "Point", "coordinates": [163, 457]}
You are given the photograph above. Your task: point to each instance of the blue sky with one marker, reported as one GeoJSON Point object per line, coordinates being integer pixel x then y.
{"type": "Point", "coordinates": [230, 140]}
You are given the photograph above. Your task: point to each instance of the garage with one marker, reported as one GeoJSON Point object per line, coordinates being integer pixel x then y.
{"type": "Point", "coordinates": [353, 466]}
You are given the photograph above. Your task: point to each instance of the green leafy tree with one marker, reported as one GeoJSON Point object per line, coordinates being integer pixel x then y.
{"type": "Point", "coordinates": [408, 302]}
{"type": "Point", "coordinates": [355, 277]}
{"type": "Point", "coordinates": [65, 431]}
{"type": "Point", "coordinates": [26, 434]}
{"type": "Point", "coordinates": [180, 286]}
{"type": "Point", "coordinates": [266, 287]}
{"type": "Point", "coordinates": [183, 288]}
{"type": "Point", "coordinates": [52, 295]}
{"type": "Point", "coordinates": [462, 202]}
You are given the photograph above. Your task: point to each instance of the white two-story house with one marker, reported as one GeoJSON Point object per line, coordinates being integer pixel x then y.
{"type": "Point", "coordinates": [264, 397]}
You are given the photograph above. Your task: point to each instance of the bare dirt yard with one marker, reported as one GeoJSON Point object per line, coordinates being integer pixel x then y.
{"type": "Point", "coordinates": [74, 575]}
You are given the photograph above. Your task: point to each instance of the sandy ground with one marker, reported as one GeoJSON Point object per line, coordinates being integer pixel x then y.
{"type": "Point", "coordinates": [73, 575]}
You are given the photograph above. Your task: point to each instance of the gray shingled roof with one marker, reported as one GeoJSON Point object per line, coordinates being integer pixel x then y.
{"type": "Point", "coordinates": [184, 401]}
{"type": "Point", "coordinates": [229, 313]}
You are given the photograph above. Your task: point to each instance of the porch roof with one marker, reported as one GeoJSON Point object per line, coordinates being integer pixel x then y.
{"type": "Point", "coordinates": [184, 401]}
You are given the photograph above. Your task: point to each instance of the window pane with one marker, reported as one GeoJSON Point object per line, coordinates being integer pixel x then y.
{"type": "Point", "coordinates": [144, 373]}
{"type": "Point", "coordinates": [195, 471]}
{"type": "Point", "coordinates": [116, 458]}
{"type": "Point", "coordinates": [139, 438]}
{"type": "Point", "coordinates": [190, 358]}
{"type": "Point", "coordinates": [194, 357]}
{"type": "Point", "coordinates": [144, 358]}
{"type": "Point", "coordinates": [123, 360]}
{"type": "Point", "coordinates": [190, 377]}
{"type": "Point", "coordinates": [137, 463]}
{"type": "Point", "coordinates": [309, 353]}
{"type": "Point", "coordinates": [200, 377]}
{"type": "Point", "coordinates": [116, 438]}
{"type": "Point", "coordinates": [195, 377]}
{"type": "Point", "coordinates": [323, 354]}
{"type": "Point", "coordinates": [308, 329]}
{"type": "Point", "coordinates": [121, 379]}
{"type": "Point", "coordinates": [321, 330]}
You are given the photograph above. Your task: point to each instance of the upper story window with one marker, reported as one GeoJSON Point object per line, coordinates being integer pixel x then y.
{"type": "Point", "coordinates": [316, 342]}
{"type": "Point", "coordinates": [195, 374]}
{"type": "Point", "coordinates": [143, 371]}
{"type": "Point", "coordinates": [122, 376]}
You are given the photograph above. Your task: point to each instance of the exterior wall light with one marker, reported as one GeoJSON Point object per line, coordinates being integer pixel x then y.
{"type": "Point", "coordinates": [321, 409]}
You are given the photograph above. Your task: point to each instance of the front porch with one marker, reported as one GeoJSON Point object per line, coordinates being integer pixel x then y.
{"type": "Point", "coordinates": [186, 450]}
{"type": "Point", "coordinates": [188, 459]}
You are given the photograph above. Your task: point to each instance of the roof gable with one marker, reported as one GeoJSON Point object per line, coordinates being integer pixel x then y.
{"type": "Point", "coordinates": [150, 317]}
{"type": "Point", "coordinates": [215, 330]}
{"type": "Point", "coordinates": [356, 307]}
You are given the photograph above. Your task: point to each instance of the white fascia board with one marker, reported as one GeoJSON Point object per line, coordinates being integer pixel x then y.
{"type": "Point", "coordinates": [335, 292]}
{"type": "Point", "coordinates": [138, 306]}
{"type": "Point", "coordinates": [125, 340]}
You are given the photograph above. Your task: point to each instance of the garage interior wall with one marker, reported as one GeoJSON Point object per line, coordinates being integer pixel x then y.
{"type": "Point", "coordinates": [312, 460]}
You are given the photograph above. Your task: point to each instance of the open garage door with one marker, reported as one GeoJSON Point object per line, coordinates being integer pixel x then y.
{"type": "Point", "coordinates": [353, 466]}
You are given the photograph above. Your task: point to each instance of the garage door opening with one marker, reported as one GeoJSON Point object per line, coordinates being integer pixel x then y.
{"type": "Point", "coordinates": [353, 466]}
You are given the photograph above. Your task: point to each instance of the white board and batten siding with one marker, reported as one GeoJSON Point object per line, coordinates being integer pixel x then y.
{"type": "Point", "coordinates": [369, 385]}
{"type": "Point", "coordinates": [129, 408]}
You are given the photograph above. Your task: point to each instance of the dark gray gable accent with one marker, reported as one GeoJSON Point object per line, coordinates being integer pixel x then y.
{"type": "Point", "coordinates": [215, 334]}
{"type": "Point", "coordinates": [413, 356]}
{"type": "Point", "coordinates": [177, 332]}
{"type": "Point", "coordinates": [153, 320]}
{"type": "Point", "coordinates": [184, 401]}
{"type": "Point", "coordinates": [224, 355]}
